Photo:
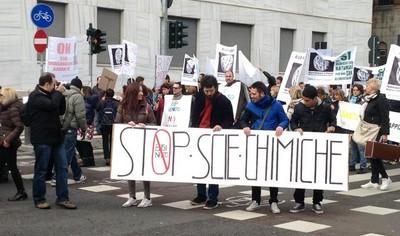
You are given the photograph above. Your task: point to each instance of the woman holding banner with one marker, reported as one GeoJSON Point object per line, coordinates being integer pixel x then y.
{"type": "Point", "coordinates": [377, 112]}
{"type": "Point", "coordinates": [135, 111]}
{"type": "Point", "coordinates": [357, 151]}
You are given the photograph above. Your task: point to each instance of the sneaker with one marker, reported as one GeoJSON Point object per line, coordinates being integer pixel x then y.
{"type": "Point", "coordinates": [66, 204]}
{"type": "Point", "coordinates": [145, 203]}
{"type": "Point", "coordinates": [317, 208]}
{"type": "Point", "coordinates": [370, 185]}
{"type": "Point", "coordinates": [198, 201]}
{"type": "Point", "coordinates": [254, 205]}
{"type": "Point", "coordinates": [210, 205]}
{"type": "Point", "coordinates": [385, 183]}
{"type": "Point", "coordinates": [53, 183]}
{"type": "Point", "coordinates": [274, 208]}
{"type": "Point", "coordinates": [42, 205]}
{"type": "Point", "coordinates": [298, 207]}
{"type": "Point", "coordinates": [131, 202]}
{"type": "Point", "coordinates": [81, 180]}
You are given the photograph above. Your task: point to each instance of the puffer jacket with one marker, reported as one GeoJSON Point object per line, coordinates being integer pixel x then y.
{"type": "Point", "coordinates": [11, 125]}
{"type": "Point", "coordinates": [75, 113]}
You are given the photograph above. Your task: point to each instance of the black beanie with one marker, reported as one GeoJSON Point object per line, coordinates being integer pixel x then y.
{"type": "Point", "coordinates": [310, 91]}
{"type": "Point", "coordinates": [77, 83]}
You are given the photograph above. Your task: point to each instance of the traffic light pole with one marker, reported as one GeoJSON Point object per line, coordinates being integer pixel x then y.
{"type": "Point", "coordinates": [374, 44]}
{"type": "Point", "coordinates": [164, 28]}
{"type": "Point", "coordinates": [90, 63]}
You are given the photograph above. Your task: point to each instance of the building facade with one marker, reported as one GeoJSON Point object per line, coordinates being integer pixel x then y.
{"type": "Point", "coordinates": [386, 21]}
{"type": "Point", "coordinates": [265, 30]}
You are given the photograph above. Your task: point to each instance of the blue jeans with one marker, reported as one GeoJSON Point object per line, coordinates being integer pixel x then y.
{"type": "Point", "coordinates": [213, 191]}
{"type": "Point", "coordinates": [43, 152]}
{"type": "Point", "coordinates": [70, 144]}
{"type": "Point", "coordinates": [357, 154]}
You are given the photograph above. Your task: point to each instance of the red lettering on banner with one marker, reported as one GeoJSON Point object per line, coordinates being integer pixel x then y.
{"type": "Point", "coordinates": [64, 48]}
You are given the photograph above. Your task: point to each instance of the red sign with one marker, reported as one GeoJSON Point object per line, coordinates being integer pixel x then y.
{"type": "Point", "coordinates": [40, 41]}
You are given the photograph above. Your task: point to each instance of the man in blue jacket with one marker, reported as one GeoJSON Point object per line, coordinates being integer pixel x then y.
{"type": "Point", "coordinates": [263, 113]}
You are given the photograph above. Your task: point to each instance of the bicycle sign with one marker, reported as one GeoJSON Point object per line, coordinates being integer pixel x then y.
{"type": "Point", "coordinates": [42, 15]}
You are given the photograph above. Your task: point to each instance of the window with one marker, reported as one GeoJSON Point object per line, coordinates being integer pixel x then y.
{"type": "Point", "coordinates": [317, 37]}
{"type": "Point", "coordinates": [385, 2]}
{"type": "Point", "coordinates": [240, 34]}
{"type": "Point", "coordinates": [190, 49]}
{"type": "Point", "coordinates": [108, 20]}
{"type": "Point", "coordinates": [57, 29]}
{"type": "Point", "coordinates": [285, 48]}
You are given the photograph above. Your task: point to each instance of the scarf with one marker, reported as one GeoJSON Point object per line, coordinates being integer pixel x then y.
{"type": "Point", "coordinates": [367, 99]}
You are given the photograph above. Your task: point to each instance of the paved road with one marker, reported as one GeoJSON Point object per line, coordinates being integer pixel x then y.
{"type": "Point", "coordinates": [357, 212]}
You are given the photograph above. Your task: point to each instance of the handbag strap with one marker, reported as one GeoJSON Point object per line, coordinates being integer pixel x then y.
{"type": "Point", "coordinates": [265, 115]}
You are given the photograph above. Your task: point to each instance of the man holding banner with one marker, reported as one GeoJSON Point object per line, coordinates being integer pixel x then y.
{"type": "Point", "coordinates": [211, 110]}
{"type": "Point", "coordinates": [263, 113]}
{"type": "Point", "coordinates": [313, 116]}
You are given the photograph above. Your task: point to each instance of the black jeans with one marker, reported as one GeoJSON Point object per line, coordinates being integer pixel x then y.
{"type": "Point", "coordinates": [106, 134]}
{"type": "Point", "coordinates": [9, 156]}
{"type": "Point", "coordinates": [298, 195]}
{"type": "Point", "coordinates": [377, 168]}
{"type": "Point", "coordinates": [256, 194]}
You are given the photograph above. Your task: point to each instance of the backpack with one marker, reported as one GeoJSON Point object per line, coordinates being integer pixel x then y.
{"type": "Point", "coordinates": [109, 113]}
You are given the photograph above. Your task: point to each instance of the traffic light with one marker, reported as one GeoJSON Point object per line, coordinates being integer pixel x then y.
{"type": "Point", "coordinates": [373, 54]}
{"type": "Point", "coordinates": [181, 34]}
{"type": "Point", "coordinates": [96, 39]}
{"type": "Point", "coordinates": [177, 34]}
{"type": "Point", "coordinates": [172, 34]}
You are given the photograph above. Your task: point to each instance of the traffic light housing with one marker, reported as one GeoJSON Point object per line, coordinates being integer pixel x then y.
{"type": "Point", "coordinates": [181, 34]}
{"type": "Point", "coordinates": [172, 34]}
{"type": "Point", "coordinates": [176, 34]}
{"type": "Point", "coordinates": [96, 39]}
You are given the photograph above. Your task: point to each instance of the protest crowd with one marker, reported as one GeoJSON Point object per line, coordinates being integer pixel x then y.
{"type": "Point", "coordinates": [62, 119]}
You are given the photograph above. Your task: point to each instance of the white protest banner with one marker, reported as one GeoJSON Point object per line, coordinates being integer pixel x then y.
{"type": "Point", "coordinates": [116, 53]}
{"type": "Point", "coordinates": [190, 72]}
{"type": "Point", "coordinates": [162, 68]}
{"type": "Point", "coordinates": [322, 70]}
{"type": "Point", "coordinates": [61, 58]}
{"type": "Point", "coordinates": [362, 73]}
{"type": "Point", "coordinates": [348, 115]}
{"type": "Point", "coordinates": [225, 61]}
{"type": "Point", "coordinates": [228, 157]}
{"type": "Point", "coordinates": [394, 126]}
{"type": "Point", "coordinates": [292, 75]}
{"type": "Point", "coordinates": [232, 93]}
{"type": "Point", "coordinates": [248, 73]}
{"type": "Point", "coordinates": [176, 112]}
{"type": "Point", "coordinates": [391, 79]}
{"type": "Point", "coordinates": [130, 55]}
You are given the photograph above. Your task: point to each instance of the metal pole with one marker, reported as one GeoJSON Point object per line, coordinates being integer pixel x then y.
{"type": "Point", "coordinates": [164, 27]}
{"type": "Point", "coordinates": [90, 63]}
{"type": "Point", "coordinates": [41, 63]}
{"type": "Point", "coordinates": [374, 51]}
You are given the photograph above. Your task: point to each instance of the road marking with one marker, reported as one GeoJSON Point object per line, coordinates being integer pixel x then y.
{"type": "Point", "coordinates": [101, 168]}
{"type": "Point", "coordinates": [302, 226]}
{"type": "Point", "coordinates": [99, 188]}
{"type": "Point", "coordinates": [184, 205]}
{"type": "Point", "coordinates": [239, 215]}
{"type": "Point", "coordinates": [361, 192]}
{"type": "Point", "coordinates": [375, 210]}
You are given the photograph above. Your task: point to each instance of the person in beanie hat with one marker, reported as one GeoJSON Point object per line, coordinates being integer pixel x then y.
{"type": "Point", "coordinates": [74, 119]}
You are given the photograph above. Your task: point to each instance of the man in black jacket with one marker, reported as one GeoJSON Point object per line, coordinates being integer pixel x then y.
{"type": "Point", "coordinates": [211, 110]}
{"type": "Point", "coordinates": [46, 103]}
{"type": "Point", "coordinates": [311, 115]}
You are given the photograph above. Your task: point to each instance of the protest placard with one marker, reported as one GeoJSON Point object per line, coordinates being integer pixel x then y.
{"type": "Point", "coordinates": [176, 112]}
{"type": "Point", "coordinates": [190, 71]}
{"type": "Point", "coordinates": [391, 78]}
{"type": "Point", "coordinates": [162, 67]}
{"type": "Point", "coordinates": [194, 155]}
{"type": "Point", "coordinates": [225, 61]}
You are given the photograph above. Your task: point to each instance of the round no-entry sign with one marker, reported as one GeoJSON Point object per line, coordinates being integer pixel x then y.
{"type": "Point", "coordinates": [40, 41]}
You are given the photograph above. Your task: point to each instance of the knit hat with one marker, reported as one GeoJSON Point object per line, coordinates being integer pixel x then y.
{"type": "Point", "coordinates": [77, 83]}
